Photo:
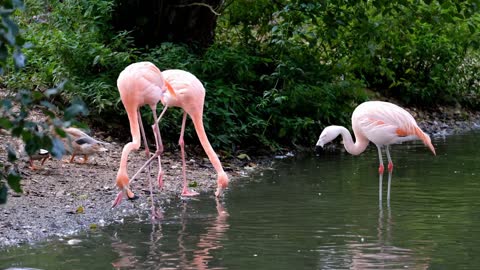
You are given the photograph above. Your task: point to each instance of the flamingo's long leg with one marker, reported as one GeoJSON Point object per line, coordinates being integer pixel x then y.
{"type": "Point", "coordinates": [147, 153]}
{"type": "Point", "coordinates": [380, 172]}
{"type": "Point", "coordinates": [185, 191]}
{"type": "Point", "coordinates": [380, 159]}
{"type": "Point", "coordinates": [159, 144]}
{"type": "Point", "coordinates": [143, 167]}
{"type": "Point", "coordinates": [380, 181]}
{"type": "Point", "coordinates": [389, 184]}
{"type": "Point", "coordinates": [390, 163]}
{"type": "Point", "coordinates": [152, 157]}
{"type": "Point", "coordinates": [142, 131]}
{"type": "Point", "coordinates": [161, 114]}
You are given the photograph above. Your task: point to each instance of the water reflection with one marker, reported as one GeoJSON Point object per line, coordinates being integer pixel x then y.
{"type": "Point", "coordinates": [307, 213]}
{"type": "Point", "coordinates": [382, 254]}
{"type": "Point", "coordinates": [186, 255]}
{"type": "Point", "coordinates": [211, 240]}
{"type": "Point", "coordinates": [380, 189]}
{"type": "Point", "coordinates": [126, 257]}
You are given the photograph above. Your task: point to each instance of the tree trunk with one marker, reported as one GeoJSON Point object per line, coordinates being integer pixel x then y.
{"type": "Point", "coordinates": [191, 22]}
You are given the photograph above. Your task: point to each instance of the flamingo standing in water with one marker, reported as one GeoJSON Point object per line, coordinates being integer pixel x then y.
{"type": "Point", "coordinates": [382, 123]}
{"type": "Point", "coordinates": [139, 84]}
{"type": "Point", "coordinates": [143, 83]}
{"type": "Point", "coordinates": [190, 96]}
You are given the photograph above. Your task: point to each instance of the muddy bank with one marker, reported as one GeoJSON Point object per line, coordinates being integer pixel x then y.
{"type": "Point", "coordinates": [61, 199]}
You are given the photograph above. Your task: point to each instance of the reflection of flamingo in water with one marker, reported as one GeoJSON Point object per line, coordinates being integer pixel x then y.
{"type": "Point", "coordinates": [126, 259]}
{"type": "Point", "coordinates": [208, 242]}
{"type": "Point", "coordinates": [186, 257]}
{"type": "Point", "coordinates": [383, 254]}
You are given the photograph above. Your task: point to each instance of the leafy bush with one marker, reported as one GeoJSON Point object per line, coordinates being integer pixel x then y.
{"type": "Point", "coordinates": [10, 35]}
{"type": "Point", "coordinates": [412, 50]}
{"type": "Point", "coordinates": [70, 40]}
{"type": "Point", "coordinates": [278, 72]}
{"type": "Point", "coordinates": [15, 110]}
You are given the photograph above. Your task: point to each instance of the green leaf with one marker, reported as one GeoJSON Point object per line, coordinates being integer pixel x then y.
{"type": "Point", "coordinates": [51, 92]}
{"type": "Point", "coordinates": [36, 95]}
{"type": "Point", "coordinates": [3, 193]}
{"type": "Point", "coordinates": [77, 107]}
{"type": "Point", "coordinates": [61, 132]}
{"type": "Point", "coordinates": [5, 123]}
{"type": "Point", "coordinates": [58, 148]}
{"type": "Point", "coordinates": [19, 59]}
{"type": "Point", "coordinates": [243, 156]}
{"type": "Point", "coordinates": [17, 130]}
{"type": "Point", "coordinates": [11, 153]}
{"type": "Point", "coordinates": [80, 210]}
{"type": "Point", "coordinates": [13, 179]}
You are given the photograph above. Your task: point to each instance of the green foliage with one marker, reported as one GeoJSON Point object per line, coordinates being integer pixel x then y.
{"type": "Point", "coordinates": [279, 70]}
{"type": "Point", "coordinates": [15, 110]}
{"type": "Point", "coordinates": [71, 40]}
{"type": "Point", "coordinates": [15, 119]}
{"type": "Point", "coordinates": [411, 50]}
{"type": "Point", "coordinates": [10, 39]}
{"type": "Point", "coordinates": [321, 54]}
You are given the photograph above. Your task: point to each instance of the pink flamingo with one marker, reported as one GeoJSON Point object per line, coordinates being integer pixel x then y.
{"type": "Point", "coordinates": [143, 83]}
{"type": "Point", "coordinates": [382, 123]}
{"type": "Point", "coordinates": [190, 96]}
{"type": "Point", "coordinates": [139, 84]}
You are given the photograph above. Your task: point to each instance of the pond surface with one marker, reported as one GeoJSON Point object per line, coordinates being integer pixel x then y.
{"type": "Point", "coordinates": [316, 212]}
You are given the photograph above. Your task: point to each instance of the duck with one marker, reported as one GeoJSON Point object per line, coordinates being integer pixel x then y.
{"type": "Point", "coordinates": [17, 148]}
{"type": "Point", "coordinates": [41, 154]}
{"type": "Point", "coordinates": [78, 142]}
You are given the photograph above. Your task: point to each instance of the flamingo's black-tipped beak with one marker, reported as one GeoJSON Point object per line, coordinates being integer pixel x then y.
{"type": "Point", "coordinates": [319, 149]}
{"type": "Point", "coordinates": [133, 198]}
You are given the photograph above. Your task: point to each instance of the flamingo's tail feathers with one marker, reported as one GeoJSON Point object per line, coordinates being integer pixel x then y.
{"type": "Point", "coordinates": [425, 138]}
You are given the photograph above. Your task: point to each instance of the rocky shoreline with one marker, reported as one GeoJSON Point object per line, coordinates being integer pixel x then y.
{"type": "Point", "coordinates": [62, 199]}
{"type": "Point", "coordinates": [446, 121]}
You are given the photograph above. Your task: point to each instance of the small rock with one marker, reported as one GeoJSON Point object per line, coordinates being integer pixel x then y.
{"type": "Point", "coordinates": [74, 241]}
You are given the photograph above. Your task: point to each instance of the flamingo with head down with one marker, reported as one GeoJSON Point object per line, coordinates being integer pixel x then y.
{"type": "Point", "coordinates": [382, 123]}
{"type": "Point", "coordinates": [143, 84]}
{"type": "Point", "coordinates": [139, 84]}
{"type": "Point", "coordinates": [190, 96]}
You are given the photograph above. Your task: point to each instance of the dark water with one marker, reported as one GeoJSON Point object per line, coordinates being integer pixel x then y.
{"type": "Point", "coordinates": [317, 212]}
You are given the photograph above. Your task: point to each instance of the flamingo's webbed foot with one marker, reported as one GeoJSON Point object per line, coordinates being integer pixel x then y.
{"type": "Point", "coordinates": [130, 196]}
{"type": "Point", "coordinates": [118, 199]}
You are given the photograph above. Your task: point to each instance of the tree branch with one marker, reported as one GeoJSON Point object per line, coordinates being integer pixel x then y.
{"type": "Point", "coordinates": [201, 4]}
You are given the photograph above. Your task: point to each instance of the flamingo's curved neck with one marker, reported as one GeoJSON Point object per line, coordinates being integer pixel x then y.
{"type": "Point", "coordinates": [134, 144]}
{"type": "Point", "coordinates": [353, 148]}
{"type": "Point", "coordinates": [202, 136]}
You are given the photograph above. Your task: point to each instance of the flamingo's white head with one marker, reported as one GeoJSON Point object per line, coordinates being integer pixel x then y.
{"type": "Point", "coordinates": [328, 135]}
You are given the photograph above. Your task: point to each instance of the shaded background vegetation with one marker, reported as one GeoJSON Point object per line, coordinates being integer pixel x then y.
{"type": "Point", "coordinates": [16, 107]}
{"type": "Point", "coordinates": [276, 72]}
